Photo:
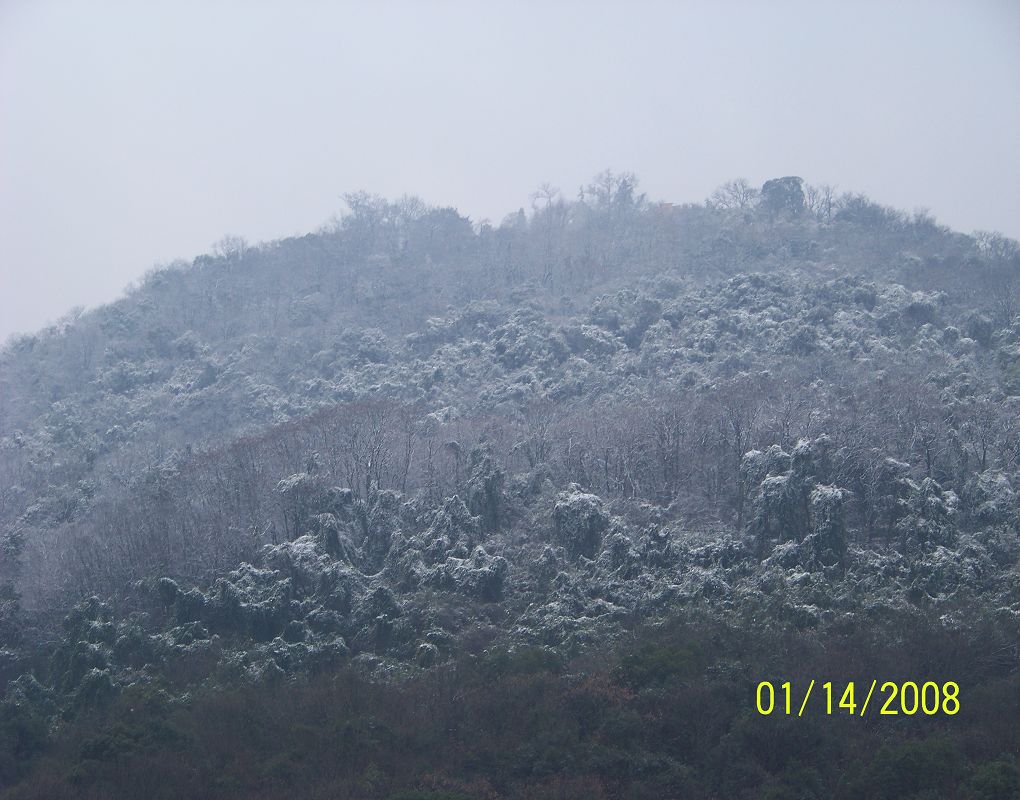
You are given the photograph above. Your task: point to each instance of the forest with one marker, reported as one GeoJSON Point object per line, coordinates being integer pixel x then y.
{"type": "Point", "coordinates": [417, 506]}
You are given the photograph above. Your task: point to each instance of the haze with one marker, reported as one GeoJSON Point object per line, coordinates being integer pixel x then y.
{"type": "Point", "coordinates": [134, 134]}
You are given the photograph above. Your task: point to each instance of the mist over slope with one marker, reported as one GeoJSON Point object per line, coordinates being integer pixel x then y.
{"type": "Point", "coordinates": [409, 438]}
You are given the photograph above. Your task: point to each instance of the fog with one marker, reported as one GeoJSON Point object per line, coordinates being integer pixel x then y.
{"type": "Point", "coordinates": [133, 134]}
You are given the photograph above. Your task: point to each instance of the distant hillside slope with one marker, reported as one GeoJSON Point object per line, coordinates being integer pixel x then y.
{"type": "Point", "coordinates": [376, 354]}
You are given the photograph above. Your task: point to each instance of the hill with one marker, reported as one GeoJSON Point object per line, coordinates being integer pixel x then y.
{"type": "Point", "coordinates": [410, 447]}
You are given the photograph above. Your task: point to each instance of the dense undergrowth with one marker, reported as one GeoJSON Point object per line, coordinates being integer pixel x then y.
{"type": "Point", "coordinates": [669, 712]}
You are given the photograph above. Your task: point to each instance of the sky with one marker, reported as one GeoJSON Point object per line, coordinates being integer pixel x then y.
{"type": "Point", "coordinates": [133, 134]}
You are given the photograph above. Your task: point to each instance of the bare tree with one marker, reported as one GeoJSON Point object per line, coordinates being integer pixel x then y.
{"type": "Point", "coordinates": [735, 195]}
{"type": "Point", "coordinates": [819, 200]}
{"type": "Point", "coordinates": [231, 247]}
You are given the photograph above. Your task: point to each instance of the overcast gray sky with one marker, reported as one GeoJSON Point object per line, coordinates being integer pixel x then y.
{"type": "Point", "coordinates": [137, 133]}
